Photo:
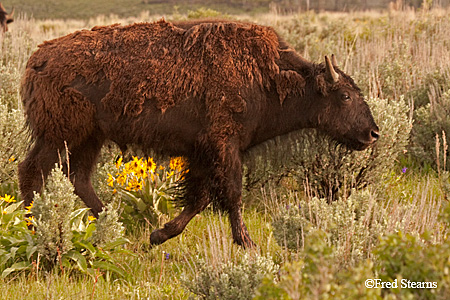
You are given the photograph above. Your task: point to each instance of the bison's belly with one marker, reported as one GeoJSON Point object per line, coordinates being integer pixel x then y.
{"type": "Point", "coordinates": [173, 132]}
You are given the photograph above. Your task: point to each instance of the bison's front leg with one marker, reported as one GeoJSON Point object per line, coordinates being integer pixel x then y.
{"type": "Point", "coordinates": [231, 202]}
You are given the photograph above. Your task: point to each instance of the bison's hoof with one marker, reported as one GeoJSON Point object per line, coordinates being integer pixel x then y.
{"type": "Point", "coordinates": [245, 242]}
{"type": "Point", "coordinates": [157, 237]}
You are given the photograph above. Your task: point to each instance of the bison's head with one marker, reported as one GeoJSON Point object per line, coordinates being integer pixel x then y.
{"type": "Point", "coordinates": [342, 112]}
{"type": "Point", "coordinates": [5, 18]}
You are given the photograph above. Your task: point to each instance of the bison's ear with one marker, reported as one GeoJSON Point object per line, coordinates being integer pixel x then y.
{"type": "Point", "coordinates": [331, 75]}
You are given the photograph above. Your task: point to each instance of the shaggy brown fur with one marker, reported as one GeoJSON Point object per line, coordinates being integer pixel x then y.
{"type": "Point", "coordinates": [5, 18]}
{"type": "Point", "coordinates": [207, 91]}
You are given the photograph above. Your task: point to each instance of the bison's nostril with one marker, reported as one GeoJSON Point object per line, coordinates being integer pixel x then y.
{"type": "Point", "coordinates": [374, 135]}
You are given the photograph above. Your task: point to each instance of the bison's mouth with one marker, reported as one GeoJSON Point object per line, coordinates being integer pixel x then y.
{"type": "Point", "coordinates": [360, 144]}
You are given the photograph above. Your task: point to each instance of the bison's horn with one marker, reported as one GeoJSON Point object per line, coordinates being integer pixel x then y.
{"type": "Point", "coordinates": [9, 18]}
{"type": "Point", "coordinates": [333, 60]}
{"type": "Point", "coordinates": [12, 12]}
{"type": "Point", "coordinates": [333, 76]}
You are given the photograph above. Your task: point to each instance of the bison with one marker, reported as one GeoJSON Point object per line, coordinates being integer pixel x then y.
{"type": "Point", "coordinates": [208, 91]}
{"type": "Point", "coordinates": [5, 18]}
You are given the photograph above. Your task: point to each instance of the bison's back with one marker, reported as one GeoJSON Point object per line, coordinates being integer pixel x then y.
{"type": "Point", "coordinates": [158, 62]}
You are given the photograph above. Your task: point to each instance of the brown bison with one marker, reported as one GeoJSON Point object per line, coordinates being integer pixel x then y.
{"type": "Point", "coordinates": [5, 18]}
{"type": "Point", "coordinates": [205, 91]}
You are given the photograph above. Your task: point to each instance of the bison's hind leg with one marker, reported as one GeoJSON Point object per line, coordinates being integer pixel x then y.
{"type": "Point", "coordinates": [196, 199]}
{"type": "Point", "coordinates": [82, 160]}
{"type": "Point", "coordinates": [35, 168]}
{"type": "Point", "coordinates": [42, 158]}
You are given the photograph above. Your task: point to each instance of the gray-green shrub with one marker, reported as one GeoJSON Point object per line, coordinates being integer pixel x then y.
{"type": "Point", "coordinates": [352, 225]}
{"type": "Point", "coordinates": [108, 227]}
{"type": "Point", "coordinates": [51, 210]}
{"type": "Point", "coordinates": [13, 142]}
{"type": "Point", "coordinates": [232, 280]}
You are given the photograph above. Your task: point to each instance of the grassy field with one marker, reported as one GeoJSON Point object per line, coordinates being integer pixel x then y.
{"type": "Point", "coordinates": [61, 9]}
{"type": "Point", "coordinates": [393, 227]}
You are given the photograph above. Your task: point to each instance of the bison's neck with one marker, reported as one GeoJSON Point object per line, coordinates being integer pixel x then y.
{"type": "Point", "coordinates": [295, 113]}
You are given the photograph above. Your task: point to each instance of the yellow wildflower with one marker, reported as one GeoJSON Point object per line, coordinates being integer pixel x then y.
{"type": "Point", "coordinates": [121, 179]}
{"type": "Point", "coordinates": [134, 185]}
{"type": "Point", "coordinates": [119, 162]}
{"type": "Point", "coordinates": [143, 164]}
{"type": "Point", "coordinates": [91, 218]}
{"type": "Point", "coordinates": [138, 186]}
{"type": "Point", "coordinates": [177, 164]}
{"type": "Point", "coordinates": [110, 180]}
{"type": "Point", "coordinates": [130, 166]}
{"type": "Point", "coordinates": [30, 220]}
{"type": "Point", "coordinates": [151, 166]}
{"type": "Point", "coordinates": [135, 163]}
{"type": "Point", "coordinates": [142, 173]}
{"type": "Point", "coordinates": [8, 198]}
{"type": "Point", "coordinates": [12, 158]}
{"type": "Point", "coordinates": [30, 206]}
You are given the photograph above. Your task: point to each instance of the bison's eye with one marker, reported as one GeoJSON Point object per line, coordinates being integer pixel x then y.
{"type": "Point", "coordinates": [346, 97]}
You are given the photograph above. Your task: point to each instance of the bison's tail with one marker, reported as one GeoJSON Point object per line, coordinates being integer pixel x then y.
{"type": "Point", "coordinates": [55, 114]}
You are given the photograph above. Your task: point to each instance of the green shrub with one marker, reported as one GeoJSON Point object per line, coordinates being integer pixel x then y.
{"type": "Point", "coordinates": [17, 243]}
{"type": "Point", "coordinates": [230, 280]}
{"type": "Point", "coordinates": [430, 132]}
{"type": "Point", "coordinates": [352, 225]}
{"type": "Point", "coordinates": [330, 169]}
{"type": "Point", "coordinates": [402, 258]}
{"type": "Point", "coordinates": [14, 51]}
{"type": "Point", "coordinates": [396, 71]}
{"type": "Point", "coordinates": [62, 238]}
{"type": "Point", "coordinates": [316, 275]}
{"type": "Point", "coordinates": [405, 257]}
{"type": "Point", "coordinates": [304, 26]}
